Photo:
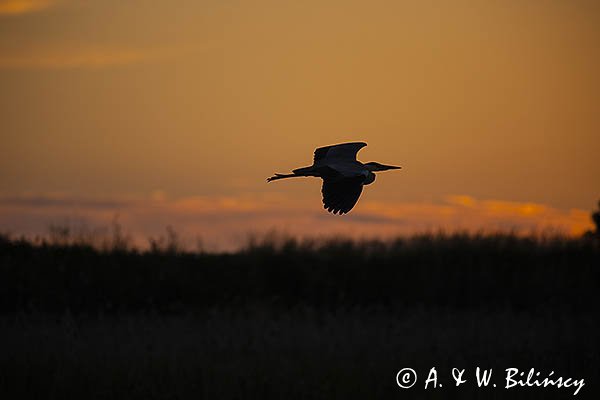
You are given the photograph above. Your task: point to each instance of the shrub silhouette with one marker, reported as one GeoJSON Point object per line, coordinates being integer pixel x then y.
{"type": "Point", "coordinates": [596, 220]}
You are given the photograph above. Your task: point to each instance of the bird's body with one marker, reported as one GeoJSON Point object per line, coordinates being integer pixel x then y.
{"type": "Point", "coordinates": [343, 175]}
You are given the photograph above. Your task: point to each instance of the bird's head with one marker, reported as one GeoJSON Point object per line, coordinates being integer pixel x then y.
{"type": "Point", "coordinates": [375, 167]}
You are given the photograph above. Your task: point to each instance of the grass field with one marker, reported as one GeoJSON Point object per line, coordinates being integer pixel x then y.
{"type": "Point", "coordinates": [292, 319]}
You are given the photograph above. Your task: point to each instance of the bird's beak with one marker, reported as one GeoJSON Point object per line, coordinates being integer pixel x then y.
{"type": "Point", "coordinates": [386, 167]}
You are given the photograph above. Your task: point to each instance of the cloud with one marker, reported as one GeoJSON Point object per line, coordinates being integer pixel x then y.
{"type": "Point", "coordinates": [523, 215]}
{"type": "Point", "coordinates": [225, 221]}
{"type": "Point", "coordinates": [60, 201]}
{"type": "Point", "coordinates": [60, 56]}
{"type": "Point", "coordinates": [100, 57]}
{"type": "Point", "coordinates": [363, 218]}
{"type": "Point", "coordinates": [18, 7]}
{"type": "Point", "coordinates": [461, 200]}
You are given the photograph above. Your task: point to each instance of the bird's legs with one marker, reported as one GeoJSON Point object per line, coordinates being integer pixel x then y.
{"type": "Point", "coordinates": [304, 171]}
{"type": "Point", "coordinates": [281, 176]}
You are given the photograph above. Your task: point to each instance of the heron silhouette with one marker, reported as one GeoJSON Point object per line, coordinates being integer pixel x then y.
{"type": "Point", "coordinates": [343, 175]}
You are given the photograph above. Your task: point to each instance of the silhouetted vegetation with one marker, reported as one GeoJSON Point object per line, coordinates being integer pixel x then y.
{"type": "Point", "coordinates": [444, 271]}
{"type": "Point", "coordinates": [289, 318]}
{"type": "Point", "coordinates": [596, 220]}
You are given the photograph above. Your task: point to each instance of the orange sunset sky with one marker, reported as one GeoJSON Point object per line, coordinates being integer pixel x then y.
{"type": "Point", "coordinates": [175, 112]}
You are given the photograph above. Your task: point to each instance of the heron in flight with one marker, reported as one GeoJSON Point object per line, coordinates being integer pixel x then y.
{"type": "Point", "coordinates": [343, 175]}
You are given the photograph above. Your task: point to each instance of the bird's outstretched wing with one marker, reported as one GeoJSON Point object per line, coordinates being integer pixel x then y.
{"type": "Point", "coordinates": [341, 194]}
{"type": "Point", "coordinates": [344, 151]}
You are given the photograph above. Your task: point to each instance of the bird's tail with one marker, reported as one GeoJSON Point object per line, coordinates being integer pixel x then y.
{"type": "Point", "coordinates": [304, 171]}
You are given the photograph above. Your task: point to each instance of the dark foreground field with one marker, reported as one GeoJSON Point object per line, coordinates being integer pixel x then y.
{"type": "Point", "coordinates": [290, 320]}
